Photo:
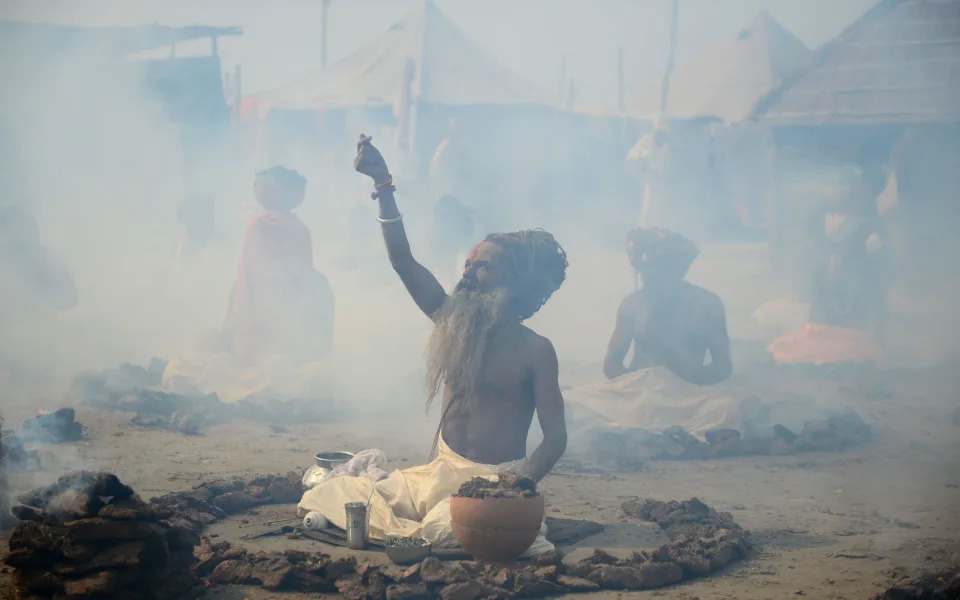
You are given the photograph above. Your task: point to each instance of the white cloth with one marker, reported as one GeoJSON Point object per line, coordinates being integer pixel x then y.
{"type": "Point", "coordinates": [654, 399]}
{"type": "Point", "coordinates": [369, 464]}
{"type": "Point", "coordinates": [412, 502]}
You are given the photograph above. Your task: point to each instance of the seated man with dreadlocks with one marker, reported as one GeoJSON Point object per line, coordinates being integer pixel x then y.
{"type": "Point", "coordinates": [668, 321]}
{"type": "Point", "coordinates": [495, 374]}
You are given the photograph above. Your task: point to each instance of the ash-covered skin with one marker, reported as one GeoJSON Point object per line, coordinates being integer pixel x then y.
{"type": "Point", "coordinates": [406, 542]}
{"type": "Point", "coordinates": [508, 485]}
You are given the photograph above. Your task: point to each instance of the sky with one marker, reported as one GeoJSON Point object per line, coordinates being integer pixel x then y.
{"type": "Point", "coordinates": [281, 41]}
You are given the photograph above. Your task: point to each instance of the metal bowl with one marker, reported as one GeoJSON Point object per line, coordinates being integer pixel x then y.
{"type": "Point", "coordinates": [408, 555]}
{"type": "Point", "coordinates": [330, 460]}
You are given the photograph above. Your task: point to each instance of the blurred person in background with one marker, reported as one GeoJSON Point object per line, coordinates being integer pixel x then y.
{"type": "Point", "coordinates": [851, 272]}
{"type": "Point", "coordinates": [279, 302]}
{"type": "Point", "coordinates": [36, 285]}
{"type": "Point", "coordinates": [668, 321]}
{"type": "Point", "coordinates": [279, 323]}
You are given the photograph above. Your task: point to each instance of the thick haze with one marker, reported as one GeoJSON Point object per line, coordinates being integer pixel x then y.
{"type": "Point", "coordinates": [281, 40]}
{"type": "Point", "coordinates": [104, 176]}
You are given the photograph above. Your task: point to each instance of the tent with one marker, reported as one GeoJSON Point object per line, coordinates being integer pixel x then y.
{"type": "Point", "coordinates": [442, 65]}
{"type": "Point", "coordinates": [898, 64]}
{"type": "Point", "coordinates": [726, 81]}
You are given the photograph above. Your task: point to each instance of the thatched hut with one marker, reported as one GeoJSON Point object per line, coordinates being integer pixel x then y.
{"type": "Point", "coordinates": [884, 96]}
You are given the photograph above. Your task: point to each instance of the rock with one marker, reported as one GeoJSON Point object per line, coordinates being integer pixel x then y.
{"type": "Point", "coordinates": [284, 492]}
{"type": "Point", "coordinates": [130, 554]}
{"type": "Point", "coordinates": [780, 447]}
{"type": "Point", "coordinates": [694, 565]}
{"type": "Point", "coordinates": [619, 578]}
{"type": "Point", "coordinates": [52, 428]}
{"type": "Point", "coordinates": [411, 575]}
{"type": "Point", "coordinates": [29, 513]}
{"type": "Point", "coordinates": [717, 436]}
{"type": "Point", "coordinates": [781, 432]}
{"type": "Point", "coordinates": [106, 583]}
{"type": "Point", "coordinates": [232, 571]}
{"type": "Point", "coordinates": [569, 531]}
{"type": "Point", "coordinates": [434, 571]}
{"type": "Point", "coordinates": [73, 503]}
{"type": "Point", "coordinates": [235, 502]}
{"type": "Point", "coordinates": [28, 558]}
{"type": "Point", "coordinates": [729, 447]}
{"type": "Point", "coordinates": [40, 583]}
{"type": "Point", "coordinates": [273, 572]}
{"type": "Point", "coordinates": [546, 573]}
{"type": "Point", "coordinates": [104, 530]}
{"type": "Point", "coordinates": [357, 587]}
{"type": "Point", "coordinates": [133, 508]}
{"type": "Point", "coordinates": [654, 575]}
{"type": "Point", "coordinates": [409, 591]}
{"type": "Point", "coordinates": [528, 585]}
{"type": "Point", "coordinates": [549, 558]}
{"type": "Point", "coordinates": [501, 578]}
{"type": "Point", "coordinates": [576, 584]}
{"type": "Point", "coordinates": [467, 590]}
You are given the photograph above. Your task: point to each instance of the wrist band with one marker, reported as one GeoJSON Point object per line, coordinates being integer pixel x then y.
{"type": "Point", "coordinates": [395, 219]}
{"type": "Point", "coordinates": [386, 184]}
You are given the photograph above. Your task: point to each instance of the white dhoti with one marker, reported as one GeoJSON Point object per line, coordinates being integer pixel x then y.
{"type": "Point", "coordinates": [410, 502]}
{"type": "Point", "coordinates": [654, 399]}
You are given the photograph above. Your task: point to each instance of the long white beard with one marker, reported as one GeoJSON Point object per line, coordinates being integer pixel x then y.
{"type": "Point", "coordinates": [456, 348]}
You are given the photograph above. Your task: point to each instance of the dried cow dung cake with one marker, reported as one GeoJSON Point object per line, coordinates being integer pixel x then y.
{"type": "Point", "coordinates": [507, 485]}
{"type": "Point", "coordinates": [89, 535]}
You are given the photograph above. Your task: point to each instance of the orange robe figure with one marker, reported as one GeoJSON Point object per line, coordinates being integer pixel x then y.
{"type": "Point", "coordinates": [279, 304]}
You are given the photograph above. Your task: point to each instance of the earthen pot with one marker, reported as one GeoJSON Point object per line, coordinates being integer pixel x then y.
{"type": "Point", "coordinates": [496, 530]}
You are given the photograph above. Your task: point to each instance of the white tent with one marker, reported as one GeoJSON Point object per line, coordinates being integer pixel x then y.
{"type": "Point", "coordinates": [444, 66]}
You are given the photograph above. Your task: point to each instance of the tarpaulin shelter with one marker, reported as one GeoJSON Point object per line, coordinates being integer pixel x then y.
{"type": "Point", "coordinates": [726, 81]}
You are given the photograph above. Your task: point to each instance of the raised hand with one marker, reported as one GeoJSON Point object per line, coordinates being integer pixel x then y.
{"type": "Point", "coordinates": [370, 162]}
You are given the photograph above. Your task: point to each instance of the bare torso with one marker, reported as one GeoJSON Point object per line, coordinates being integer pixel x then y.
{"type": "Point", "coordinates": [677, 333]}
{"type": "Point", "coordinates": [493, 428]}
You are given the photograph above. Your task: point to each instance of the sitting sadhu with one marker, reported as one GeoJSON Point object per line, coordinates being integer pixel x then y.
{"type": "Point", "coordinates": [668, 321]}
{"type": "Point", "coordinates": [279, 303]}
{"type": "Point", "coordinates": [495, 373]}
{"type": "Point", "coordinates": [278, 332]}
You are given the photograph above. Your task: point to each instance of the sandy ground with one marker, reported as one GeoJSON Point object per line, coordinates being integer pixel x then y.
{"type": "Point", "coordinates": [826, 525]}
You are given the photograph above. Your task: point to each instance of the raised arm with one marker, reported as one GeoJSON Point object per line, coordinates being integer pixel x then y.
{"type": "Point", "coordinates": [419, 281]}
{"type": "Point", "coordinates": [549, 404]}
{"type": "Point", "coordinates": [619, 342]}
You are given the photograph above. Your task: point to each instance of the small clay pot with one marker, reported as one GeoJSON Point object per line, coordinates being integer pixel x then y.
{"type": "Point", "coordinates": [496, 530]}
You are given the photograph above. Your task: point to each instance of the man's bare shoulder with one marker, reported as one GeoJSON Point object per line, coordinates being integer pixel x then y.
{"type": "Point", "coordinates": [536, 346]}
{"type": "Point", "coordinates": [703, 299]}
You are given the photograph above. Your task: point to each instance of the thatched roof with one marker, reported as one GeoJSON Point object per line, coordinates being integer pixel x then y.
{"type": "Point", "coordinates": [899, 63]}
{"type": "Point", "coordinates": [726, 81]}
{"type": "Point", "coordinates": [447, 69]}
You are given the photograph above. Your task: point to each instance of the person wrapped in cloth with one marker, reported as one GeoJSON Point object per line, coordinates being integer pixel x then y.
{"type": "Point", "coordinates": [495, 373]}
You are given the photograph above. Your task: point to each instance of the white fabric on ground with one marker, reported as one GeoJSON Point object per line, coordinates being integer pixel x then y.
{"type": "Point", "coordinates": [369, 464]}
{"type": "Point", "coordinates": [411, 502]}
{"type": "Point", "coordinates": [654, 399]}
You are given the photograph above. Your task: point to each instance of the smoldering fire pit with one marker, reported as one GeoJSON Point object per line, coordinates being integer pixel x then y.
{"type": "Point", "coordinates": [88, 534]}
